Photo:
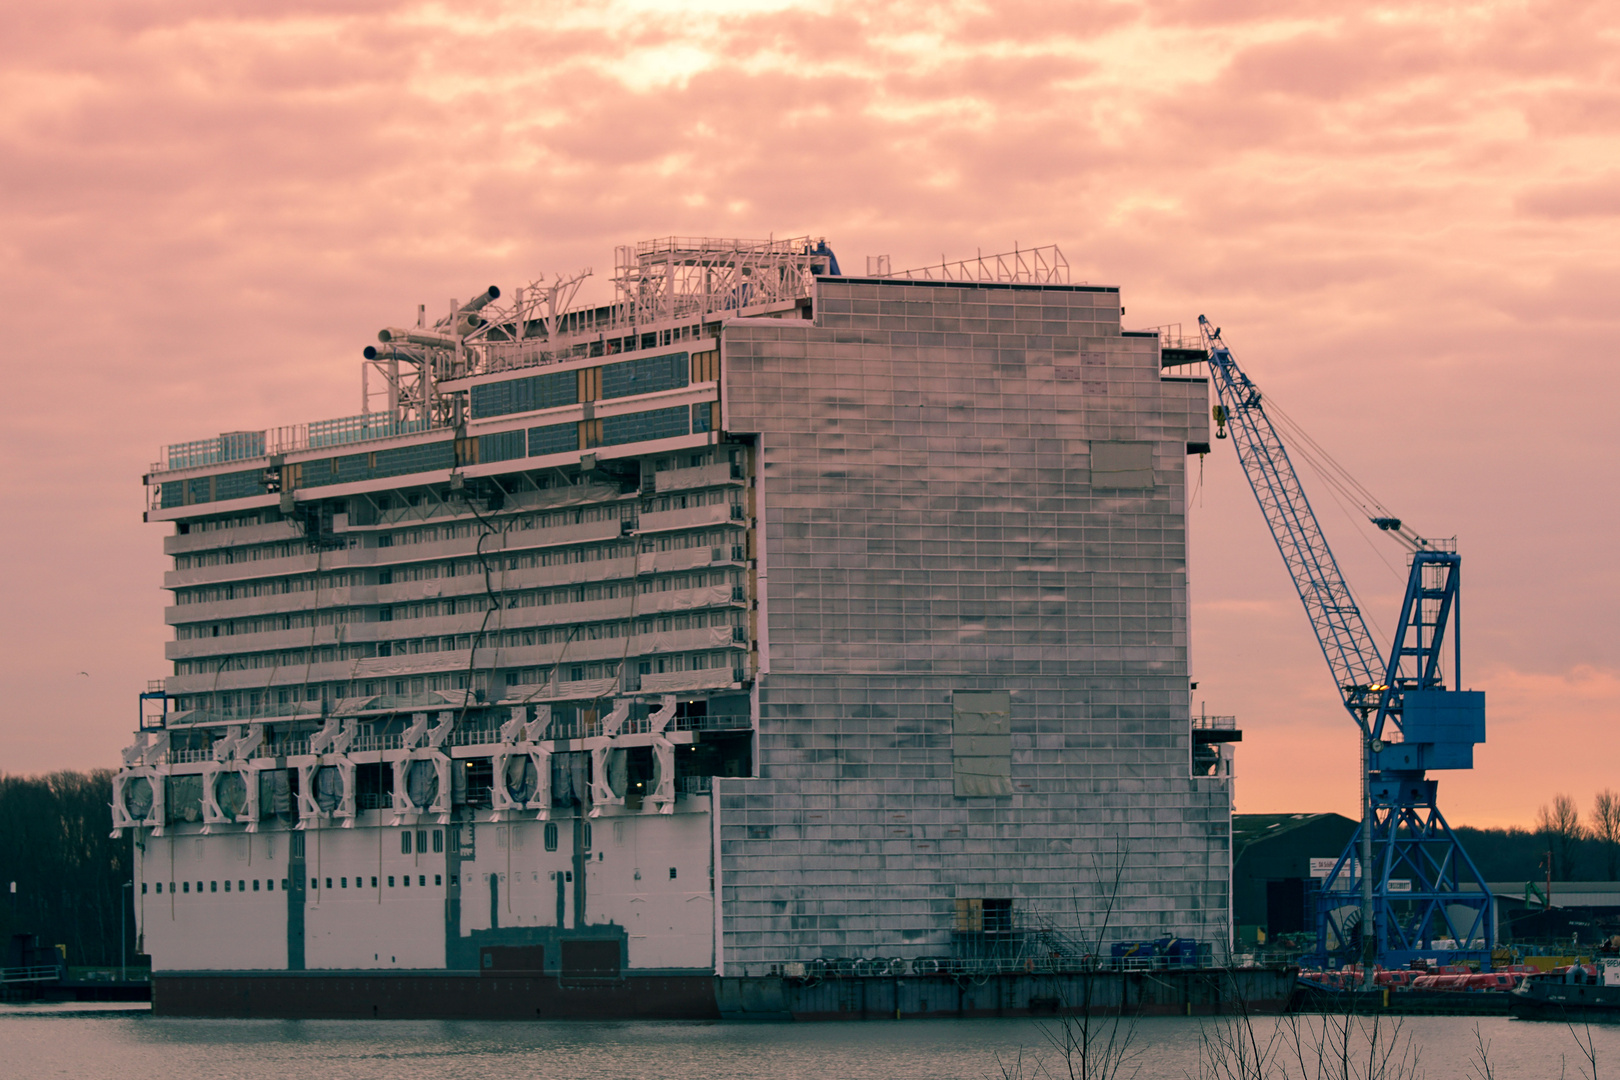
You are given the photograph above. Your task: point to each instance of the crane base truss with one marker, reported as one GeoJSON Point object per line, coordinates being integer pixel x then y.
{"type": "Point", "coordinates": [1429, 900]}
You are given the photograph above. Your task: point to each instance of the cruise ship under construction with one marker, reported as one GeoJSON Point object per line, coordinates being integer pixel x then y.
{"type": "Point", "coordinates": [767, 629]}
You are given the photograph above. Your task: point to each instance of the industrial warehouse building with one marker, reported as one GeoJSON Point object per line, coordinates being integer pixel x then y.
{"type": "Point", "coordinates": [764, 619]}
{"type": "Point", "coordinates": [1279, 862]}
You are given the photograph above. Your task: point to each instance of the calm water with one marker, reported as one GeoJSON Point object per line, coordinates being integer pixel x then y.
{"type": "Point", "coordinates": [118, 1044]}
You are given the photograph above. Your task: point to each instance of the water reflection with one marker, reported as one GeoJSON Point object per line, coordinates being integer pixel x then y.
{"type": "Point", "coordinates": [53, 1041]}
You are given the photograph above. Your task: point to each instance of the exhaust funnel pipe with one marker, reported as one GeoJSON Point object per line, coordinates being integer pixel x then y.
{"type": "Point", "coordinates": [395, 336]}
{"type": "Point", "coordinates": [478, 302]}
{"type": "Point", "coordinates": [392, 352]}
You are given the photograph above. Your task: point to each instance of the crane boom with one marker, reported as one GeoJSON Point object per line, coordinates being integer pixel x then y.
{"type": "Point", "coordinates": [1340, 629]}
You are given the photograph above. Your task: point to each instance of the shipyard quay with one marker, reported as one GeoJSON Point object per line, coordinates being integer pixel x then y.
{"type": "Point", "coordinates": [765, 620]}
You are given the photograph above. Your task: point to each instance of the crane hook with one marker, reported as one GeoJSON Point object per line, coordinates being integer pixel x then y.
{"type": "Point", "coordinates": [1219, 413]}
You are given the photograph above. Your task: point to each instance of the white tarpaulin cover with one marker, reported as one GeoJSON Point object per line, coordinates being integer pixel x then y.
{"type": "Point", "coordinates": [677, 681]}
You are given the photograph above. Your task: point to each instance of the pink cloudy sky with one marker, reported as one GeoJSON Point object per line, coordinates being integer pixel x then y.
{"type": "Point", "coordinates": [1407, 219]}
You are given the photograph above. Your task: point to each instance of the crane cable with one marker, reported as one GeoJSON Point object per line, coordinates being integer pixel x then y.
{"type": "Point", "coordinates": [1341, 486]}
{"type": "Point", "coordinates": [1325, 463]}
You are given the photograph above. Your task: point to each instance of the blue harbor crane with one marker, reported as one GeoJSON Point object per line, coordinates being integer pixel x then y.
{"type": "Point", "coordinates": [1404, 889]}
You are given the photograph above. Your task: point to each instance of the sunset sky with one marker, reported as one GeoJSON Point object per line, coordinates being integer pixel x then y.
{"type": "Point", "coordinates": [1406, 218]}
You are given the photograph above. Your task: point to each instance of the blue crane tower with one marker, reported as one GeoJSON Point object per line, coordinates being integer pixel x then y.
{"type": "Point", "coordinates": [1404, 889]}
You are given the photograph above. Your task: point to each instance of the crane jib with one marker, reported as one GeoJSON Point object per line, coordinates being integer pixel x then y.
{"type": "Point", "coordinates": [1340, 629]}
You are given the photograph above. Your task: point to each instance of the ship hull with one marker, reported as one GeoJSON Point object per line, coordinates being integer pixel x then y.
{"type": "Point", "coordinates": [1548, 1000]}
{"type": "Point", "coordinates": [466, 995]}
{"type": "Point", "coordinates": [352, 995]}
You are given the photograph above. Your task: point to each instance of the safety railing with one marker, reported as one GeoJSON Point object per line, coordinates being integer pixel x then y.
{"type": "Point", "coordinates": [1173, 340]}
{"type": "Point", "coordinates": [474, 736]}
{"type": "Point", "coordinates": [369, 743]}
{"type": "Point", "coordinates": [1214, 723]}
{"type": "Point", "coordinates": [717, 722]}
{"type": "Point", "coordinates": [353, 429]}
{"type": "Point", "coordinates": [589, 729]}
{"type": "Point", "coordinates": [315, 435]}
{"type": "Point", "coordinates": [37, 974]}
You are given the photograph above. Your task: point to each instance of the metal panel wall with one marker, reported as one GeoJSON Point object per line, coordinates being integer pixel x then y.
{"type": "Point", "coordinates": [931, 529]}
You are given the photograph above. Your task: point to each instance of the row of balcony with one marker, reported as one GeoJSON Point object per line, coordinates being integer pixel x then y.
{"type": "Point", "coordinates": [471, 584]}
{"type": "Point", "coordinates": [573, 652]}
{"type": "Point", "coordinates": [635, 606]}
{"type": "Point", "coordinates": [495, 548]}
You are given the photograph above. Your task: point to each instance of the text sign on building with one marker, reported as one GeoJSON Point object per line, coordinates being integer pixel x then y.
{"type": "Point", "coordinates": [1400, 884]}
{"type": "Point", "coordinates": [1321, 868]}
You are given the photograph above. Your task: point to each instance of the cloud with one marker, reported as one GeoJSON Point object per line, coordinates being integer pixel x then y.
{"type": "Point", "coordinates": [1402, 215]}
{"type": "Point", "coordinates": [1580, 199]}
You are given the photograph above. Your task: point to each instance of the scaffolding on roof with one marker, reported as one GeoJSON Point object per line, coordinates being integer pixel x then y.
{"type": "Point", "coordinates": [665, 289]}
{"type": "Point", "coordinates": [678, 277]}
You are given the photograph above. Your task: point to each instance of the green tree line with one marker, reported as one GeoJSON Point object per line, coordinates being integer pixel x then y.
{"type": "Point", "coordinates": [1581, 847]}
{"type": "Point", "coordinates": [61, 873]}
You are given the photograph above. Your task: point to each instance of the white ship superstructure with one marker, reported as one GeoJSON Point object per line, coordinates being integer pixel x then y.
{"type": "Point", "coordinates": [493, 678]}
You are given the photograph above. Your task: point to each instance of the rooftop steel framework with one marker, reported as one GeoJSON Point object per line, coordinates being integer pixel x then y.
{"type": "Point", "coordinates": [665, 289]}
